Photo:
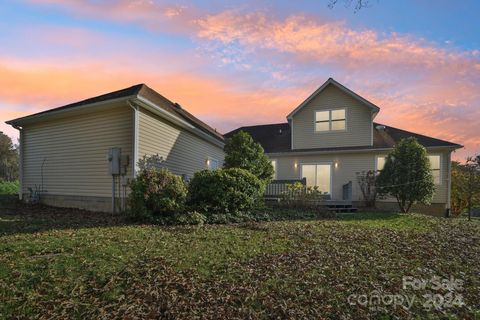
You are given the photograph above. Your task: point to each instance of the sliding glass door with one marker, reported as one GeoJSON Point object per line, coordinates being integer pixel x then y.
{"type": "Point", "coordinates": [319, 175]}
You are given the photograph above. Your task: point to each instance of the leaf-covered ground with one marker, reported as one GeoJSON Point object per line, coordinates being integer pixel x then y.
{"type": "Point", "coordinates": [57, 263]}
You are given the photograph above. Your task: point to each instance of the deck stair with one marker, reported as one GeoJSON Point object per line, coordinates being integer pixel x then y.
{"type": "Point", "coordinates": [340, 206]}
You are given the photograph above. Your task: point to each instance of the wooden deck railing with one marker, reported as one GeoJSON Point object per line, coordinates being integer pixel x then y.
{"type": "Point", "coordinates": [278, 187]}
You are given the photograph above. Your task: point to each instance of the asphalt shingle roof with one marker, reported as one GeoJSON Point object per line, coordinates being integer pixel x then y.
{"type": "Point", "coordinates": [137, 90]}
{"type": "Point", "coordinates": [276, 138]}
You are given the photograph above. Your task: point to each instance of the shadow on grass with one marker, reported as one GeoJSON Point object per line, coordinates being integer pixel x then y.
{"type": "Point", "coordinates": [369, 216]}
{"type": "Point", "coordinates": [32, 219]}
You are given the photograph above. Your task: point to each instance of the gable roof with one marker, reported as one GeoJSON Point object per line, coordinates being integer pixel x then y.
{"type": "Point", "coordinates": [338, 85]}
{"type": "Point", "coordinates": [276, 138]}
{"type": "Point", "coordinates": [139, 90]}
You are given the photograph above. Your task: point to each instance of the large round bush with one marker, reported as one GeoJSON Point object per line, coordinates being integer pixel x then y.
{"type": "Point", "coordinates": [225, 191]}
{"type": "Point", "coordinates": [157, 192]}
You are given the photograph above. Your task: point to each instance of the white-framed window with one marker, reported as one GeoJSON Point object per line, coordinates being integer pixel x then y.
{"type": "Point", "coordinates": [212, 163]}
{"type": "Point", "coordinates": [435, 166]}
{"type": "Point", "coordinates": [330, 120]}
{"type": "Point", "coordinates": [435, 162]}
{"type": "Point", "coordinates": [318, 175]}
{"type": "Point", "coordinates": [380, 163]}
{"type": "Point", "coordinates": [274, 165]}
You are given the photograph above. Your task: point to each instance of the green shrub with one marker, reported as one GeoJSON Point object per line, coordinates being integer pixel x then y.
{"type": "Point", "coordinates": [231, 191]}
{"type": "Point", "coordinates": [193, 218]}
{"type": "Point", "coordinates": [156, 193]}
{"type": "Point", "coordinates": [9, 187]}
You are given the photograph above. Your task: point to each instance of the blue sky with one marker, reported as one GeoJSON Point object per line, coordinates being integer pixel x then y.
{"type": "Point", "coordinates": [239, 63]}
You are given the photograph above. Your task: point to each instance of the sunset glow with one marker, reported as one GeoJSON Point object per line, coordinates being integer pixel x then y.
{"type": "Point", "coordinates": [248, 63]}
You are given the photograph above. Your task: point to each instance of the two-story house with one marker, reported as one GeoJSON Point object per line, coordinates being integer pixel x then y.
{"type": "Point", "coordinates": [65, 152]}
{"type": "Point", "coordinates": [332, 135]}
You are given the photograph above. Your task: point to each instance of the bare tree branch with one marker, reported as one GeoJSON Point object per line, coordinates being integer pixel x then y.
{"type": "Point", "coordinates": [359, 4]}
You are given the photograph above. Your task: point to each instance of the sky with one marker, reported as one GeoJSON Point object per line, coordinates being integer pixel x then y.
{"type": "Point", "coordinates": [249, 62]}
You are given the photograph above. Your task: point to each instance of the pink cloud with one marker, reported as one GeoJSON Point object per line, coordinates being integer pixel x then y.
{"type": "Point", "coordinates": [420, 86]}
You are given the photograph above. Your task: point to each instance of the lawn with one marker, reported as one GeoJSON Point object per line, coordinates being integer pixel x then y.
{"type": "Point", "coordinates": [74, 264]}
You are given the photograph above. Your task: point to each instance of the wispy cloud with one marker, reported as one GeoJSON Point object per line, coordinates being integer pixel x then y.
{"type": "Point", "coordinates": [426, 87]}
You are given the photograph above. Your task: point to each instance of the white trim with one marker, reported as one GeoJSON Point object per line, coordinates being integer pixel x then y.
{"type": "Point", "coordinates": [449, 181]}
{"type": "Point", "coordinates": [330, 163]}
{"type": "Point", "coordinates": [47, 114]}
{"type": "Point", "coordinates": [330, 130]}
{"type": "Point", "coordinates": [339, 86]}
{"type": "Point", "coordinates": [315, 152]}
{"type": "Point", "coordinates": [291, 135]}
{"type": "Point", "coordinates": [149, 105]}
{"type": "Point", "coordinates": [20, 165]}
{"type": "Point", "coordinates": [136, 132]}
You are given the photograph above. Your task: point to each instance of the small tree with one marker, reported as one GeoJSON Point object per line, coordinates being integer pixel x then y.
{"type": "Point", "coordinates": [471, 183]}
{"type": "Point", "coordinates": [9, 159]}
{"type": "Point", "coordinates": [367, 183]}
{"type": "Point", "coordinates": [242, 152]}
{"type": "Point", "coordinates": [406, 175]}
{"type": "Point", "coordinates": [458, 198]}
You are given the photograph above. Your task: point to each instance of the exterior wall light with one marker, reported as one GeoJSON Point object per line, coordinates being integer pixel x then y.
{"type": "Point", "coordinates": [336, 164]}
{"type": "Point", "coordinates": [295, 165]}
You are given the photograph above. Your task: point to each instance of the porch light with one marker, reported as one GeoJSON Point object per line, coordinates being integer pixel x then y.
{"type": "Point", "coordinates": [208, 162]}
{"type": "Point", "coordinates": [336, 164]}
{"type": "Point", "coordinates": [295, 165]}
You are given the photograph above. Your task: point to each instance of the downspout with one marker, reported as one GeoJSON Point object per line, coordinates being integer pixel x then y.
{"type": "Point", "coordinates": [136, 121]}
{"type": "Point", "coordinates": [449, 189]}
{"type": "Point", "coordinates": [20, 165]}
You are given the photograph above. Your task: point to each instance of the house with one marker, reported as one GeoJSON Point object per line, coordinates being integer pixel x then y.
{"type": "Point", "coordinates": [332, 135]}
{"type": "Point", "coordinates": [63, 151]}
{"type": "Point", "coordinates": [66, 152]}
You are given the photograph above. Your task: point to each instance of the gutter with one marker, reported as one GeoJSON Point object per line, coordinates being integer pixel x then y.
{"type": "Point", "coordinates": [315, 152]}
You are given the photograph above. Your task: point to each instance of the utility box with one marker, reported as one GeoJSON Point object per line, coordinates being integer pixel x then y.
{"type": "Point", "coordinates": [114, 158]}
{"type": "Point", "coordinates": [124, 162]}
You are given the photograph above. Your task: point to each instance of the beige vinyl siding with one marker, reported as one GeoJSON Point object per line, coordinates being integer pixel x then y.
{"type": "Point", "coordinates": [183, 152]}
{"type": "Point", "coordinates": [358, 115]}
{"type": "Point", "coordinates": [75, 151]}
{"type": "Point", "coordinates": [348, 165]}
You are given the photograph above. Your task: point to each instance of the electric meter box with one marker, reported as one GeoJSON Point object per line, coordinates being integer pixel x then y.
{"type": "Point", "coordinates": [114, 158]}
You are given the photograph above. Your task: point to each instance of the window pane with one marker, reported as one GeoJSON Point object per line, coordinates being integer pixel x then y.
{"type": "Point", "coordinates": [322, 116]}
{"type": "Point", "coordinates": [338, 125]}
{"type": "Point", "coordinates": [308, 172]}
{"type": "Point", "coordinates": [322, 126]}
{"type": "Point", "coordinates": [381, 163]}
{"type": "Point", "coordinates": [338, 114]}
{"type": "Point", "coordinates": [436, 176]}
{"type": "Point", "coordinates": [323, 178]}
{"type": "Point", "coordinates": [434, 162]}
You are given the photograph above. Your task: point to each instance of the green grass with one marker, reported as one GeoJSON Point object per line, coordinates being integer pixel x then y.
{"type": "Point", "coordinates": [9, 187]}
{"type": "Point", "coordinates": [74, 264]}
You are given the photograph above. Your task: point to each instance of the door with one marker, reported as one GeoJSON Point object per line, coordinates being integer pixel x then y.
{"type": "Point", "coordinates": [318, 174]}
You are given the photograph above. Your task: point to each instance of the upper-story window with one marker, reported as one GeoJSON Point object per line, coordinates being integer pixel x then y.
{"type": "Point", "coordinates": [330, 120]}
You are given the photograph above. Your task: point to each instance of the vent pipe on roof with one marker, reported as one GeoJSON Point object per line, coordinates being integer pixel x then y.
{"type": "Point", "coordinates": [178, 105]}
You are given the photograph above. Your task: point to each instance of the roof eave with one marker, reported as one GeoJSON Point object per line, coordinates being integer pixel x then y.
{"type": "Point", "coordinates": [309, 152]}
{"type": "Point", "coordinates": [46, 115]}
